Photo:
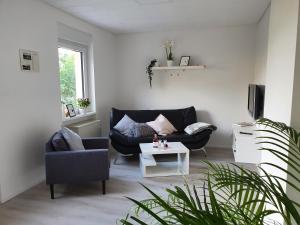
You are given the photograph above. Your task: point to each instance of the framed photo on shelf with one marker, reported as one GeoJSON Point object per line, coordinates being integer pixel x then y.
{"type": "Point", "coordinates": [185, 60]}
{"type": "Point", "coordinates": [71, 110]}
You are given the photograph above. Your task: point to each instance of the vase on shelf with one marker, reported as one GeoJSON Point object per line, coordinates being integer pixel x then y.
{"type": "Point", "coordinates": [170, 63]}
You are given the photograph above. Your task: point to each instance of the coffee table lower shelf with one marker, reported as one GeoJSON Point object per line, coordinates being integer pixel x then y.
{"type": "Point", "coordinates": [151, 168]}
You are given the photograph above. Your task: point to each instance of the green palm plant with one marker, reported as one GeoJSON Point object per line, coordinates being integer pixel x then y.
{"type": "Point", "coordinates": [231, 194]}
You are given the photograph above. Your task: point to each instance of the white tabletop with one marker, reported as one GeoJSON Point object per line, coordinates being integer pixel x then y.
{"type": "Point", "coordinates": [173, 148]}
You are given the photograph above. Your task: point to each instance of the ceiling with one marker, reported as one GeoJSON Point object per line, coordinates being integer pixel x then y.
{"type": "Point", "coordinates": [126, 16]}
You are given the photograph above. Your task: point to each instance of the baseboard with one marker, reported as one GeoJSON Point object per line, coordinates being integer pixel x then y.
{"type": "Point", "coordinates": [21, 190]}
{"type": "Point", "coordinates": [219, 146]}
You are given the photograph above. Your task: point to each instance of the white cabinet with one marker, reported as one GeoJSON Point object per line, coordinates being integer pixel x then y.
{"type": "Point", "coordinates": [245, 147]}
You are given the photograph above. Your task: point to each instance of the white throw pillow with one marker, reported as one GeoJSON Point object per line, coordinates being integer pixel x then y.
{"type": "Point", "coordinates": [74, 140]}
{"type": "Point", "coordinates": [196, 127]}
{"type": "Point", "coordinates": [162, 125]}
{"type": "Point", "coordinates": [124, 125]}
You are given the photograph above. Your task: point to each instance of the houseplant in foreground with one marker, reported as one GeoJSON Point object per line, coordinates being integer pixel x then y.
{"type": "Point", "coordinates": [83, 103]}
{"type": "Point", "coordinates": [231, 194]}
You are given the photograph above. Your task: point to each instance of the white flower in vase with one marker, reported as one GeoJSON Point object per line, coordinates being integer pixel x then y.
{"type": "Point", "coordinates": [168, 48]}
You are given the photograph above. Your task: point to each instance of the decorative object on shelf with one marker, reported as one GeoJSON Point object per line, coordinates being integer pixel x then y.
{"type": "Point", "coordinates": [71, 110]}
{"type": "Point", "coordinates": [149, 70]}
{"type": "Point", "coordinates": [184, 61]}
{"type": "Point", "coordinates": [83, 103]}
{"type": "Point", "coordinates": [168, 47]}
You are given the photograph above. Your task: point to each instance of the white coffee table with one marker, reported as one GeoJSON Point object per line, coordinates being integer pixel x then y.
{"type": "Point", "coordinates": [151, 168]}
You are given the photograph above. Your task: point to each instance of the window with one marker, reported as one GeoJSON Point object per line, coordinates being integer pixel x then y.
{"type": "Point", "coordinates": [72, 72]}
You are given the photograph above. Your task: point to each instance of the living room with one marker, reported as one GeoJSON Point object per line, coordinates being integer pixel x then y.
{"type": "Point", "coordinates": [229, 45]}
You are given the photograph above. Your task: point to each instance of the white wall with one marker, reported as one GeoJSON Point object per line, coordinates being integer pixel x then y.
{"type": "Point", "coordinates": [261, 48]}
{"type": "Point", "coordinates": [30, 102]}
{"type": "Point", "coordinates": [281, 60]}
{"type": "Point", "coordinates": [280, 73]}
{"type": "Point", "coordinates": [218, 93]}
{"type": "Point", "coordinates": [295, 118]}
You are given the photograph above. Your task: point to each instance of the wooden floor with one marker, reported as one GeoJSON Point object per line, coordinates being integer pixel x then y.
{"type": "Point", "coordinates": [85, 205]}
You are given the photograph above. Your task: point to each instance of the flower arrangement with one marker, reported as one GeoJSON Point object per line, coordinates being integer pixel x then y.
{"type": "Point", "coordinates": [168, 47]}
{"type": "Point", "coordinates": [83, 103]}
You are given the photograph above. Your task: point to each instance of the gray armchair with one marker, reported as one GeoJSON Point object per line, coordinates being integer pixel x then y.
{"type": "Point", "coordinates": [91, 164]}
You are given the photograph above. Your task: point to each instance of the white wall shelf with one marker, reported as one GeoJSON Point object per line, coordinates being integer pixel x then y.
{"type": "Point", "coordinates": [182, 68]}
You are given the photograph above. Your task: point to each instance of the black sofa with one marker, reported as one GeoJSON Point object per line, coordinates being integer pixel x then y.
{"type": "Point", "coordinates": [180, 118]}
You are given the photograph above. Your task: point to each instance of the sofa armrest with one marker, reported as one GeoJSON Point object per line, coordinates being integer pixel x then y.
{"type": "Point", "coordinates": [76, 166]}
{"type": "Point", "coordinates": [213, 127]}
{"type": "Point", "coordinates": [96, 143]}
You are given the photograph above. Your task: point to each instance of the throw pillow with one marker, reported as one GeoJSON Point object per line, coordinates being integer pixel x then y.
{"type": "Point", "coordinates": [58, 142]}
{"type": "Point", "coordinates": [74, 140]}
{"type": "Point", "coordinates": [162, 125]}
{"type": "Point", "coordinates": [123, 126]}
{"type": "Point", "coordinates": [141, 130]}
{"type": "Point", "coordinates": [196, 128]}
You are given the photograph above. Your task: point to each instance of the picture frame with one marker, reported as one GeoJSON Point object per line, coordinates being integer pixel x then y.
{"type": "Point", "coordinates": [71, 110]}
{"type": "Point", "coordinates": [184, 61]}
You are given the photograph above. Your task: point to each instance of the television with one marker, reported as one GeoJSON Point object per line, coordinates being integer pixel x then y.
{"type": "Point", "coordinates": [256, 100]}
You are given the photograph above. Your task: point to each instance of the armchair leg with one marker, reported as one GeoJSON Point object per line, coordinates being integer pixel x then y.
{"type": "Point", "coordinates": [52, 191]}
{"type": "Point", "coordinates": [103, 187]}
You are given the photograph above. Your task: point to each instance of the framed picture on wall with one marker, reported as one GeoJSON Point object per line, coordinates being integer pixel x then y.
{"type": "Point", "coordinates": [71, 110]}
{"type": "Point", "coordinates": [184, 61]}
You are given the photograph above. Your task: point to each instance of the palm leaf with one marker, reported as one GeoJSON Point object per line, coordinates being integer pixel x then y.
{"type": "Point", "coordinates": [231, 194]}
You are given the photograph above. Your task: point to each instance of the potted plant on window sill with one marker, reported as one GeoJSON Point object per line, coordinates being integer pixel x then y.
{"type": "Point", "coordinates": [83, 103]}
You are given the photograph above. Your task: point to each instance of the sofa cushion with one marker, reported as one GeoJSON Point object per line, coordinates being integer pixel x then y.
{"type": "Point", "coordinates": [180, 118]}
{"type": "Point", "coordinates": [196, 127]}
{"type": "Point", "coordinates": [59, 143]}
{"type": "Point", "coordinates": [162, 125]}
{"type": "Point", "coordinates": [123, 126]}
{"type": "Point", "coordinates": [141, 130]}
{"type": "Point", "coordinates": [74, 140]}
{"type": "Point", "coordinates": [123, 140]}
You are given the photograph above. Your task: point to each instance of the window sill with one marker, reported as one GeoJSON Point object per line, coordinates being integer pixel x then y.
{"type": "Point", "coordinates": [78, 118]}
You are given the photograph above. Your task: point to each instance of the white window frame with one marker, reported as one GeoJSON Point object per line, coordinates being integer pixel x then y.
{"type": "Point", "coordinates": [84, 49]}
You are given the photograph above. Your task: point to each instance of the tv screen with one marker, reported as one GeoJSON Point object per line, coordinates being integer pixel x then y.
{"type": "Point", "coordinates": [256, 97]}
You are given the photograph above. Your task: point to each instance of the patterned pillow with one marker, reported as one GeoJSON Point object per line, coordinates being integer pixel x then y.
{"type": "Point", "coordinates": [141, 130]}
{"type": "Point", "coordinates": [124, 124]}
{"type": "Point", "coordinates": [197, 128]}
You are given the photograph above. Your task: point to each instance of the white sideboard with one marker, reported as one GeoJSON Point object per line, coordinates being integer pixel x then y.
{"type": "Point", "coordinates": [245, 147]}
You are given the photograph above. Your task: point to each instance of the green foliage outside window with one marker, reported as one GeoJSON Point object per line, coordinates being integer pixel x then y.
{"type": "Point", "coordinates": [67, 78]}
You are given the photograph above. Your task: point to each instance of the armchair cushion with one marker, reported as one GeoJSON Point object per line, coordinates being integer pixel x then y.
{"type": "Point", "coordinates": [58, 142]}
{"type": "Point", "coordinates": [74, 140]}
{"type": "Point", "coordinates": [96, 143]}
